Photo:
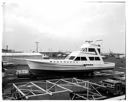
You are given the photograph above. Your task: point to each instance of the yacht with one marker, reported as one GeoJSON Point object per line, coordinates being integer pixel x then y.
{"type": "Point", "coordinates": [87, 59]}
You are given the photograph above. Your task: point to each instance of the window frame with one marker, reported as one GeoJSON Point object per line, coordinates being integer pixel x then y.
{"type": "Point", "coordinates": [72, 58]}
{"type": "Point", "coordinates": [99, 50]}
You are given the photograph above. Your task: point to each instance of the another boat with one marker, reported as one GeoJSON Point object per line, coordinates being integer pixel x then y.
{"type": "Point", "coordinates": [20, 58]}
{"type": "Point", "coordinates": [87, 59]}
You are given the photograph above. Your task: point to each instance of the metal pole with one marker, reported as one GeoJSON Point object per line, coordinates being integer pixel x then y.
{"type": "Point", "coordinates": [4, 19]}
{"type": "Point", "coordinates": [7, 47]}
{"type": "Point", "coordinates": [48, 92]}
{"type": "Point", "coordinates": [37, 46]}
{"type": "Point", "coordinates": [19, 90]}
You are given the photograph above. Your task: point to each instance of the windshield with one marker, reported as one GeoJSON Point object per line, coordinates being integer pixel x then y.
{"type": "Point", "coordinates": [71, 58]}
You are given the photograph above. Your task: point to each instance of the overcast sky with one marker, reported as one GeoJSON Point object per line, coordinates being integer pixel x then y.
{"type": "Point", "coordinates": [63, 25]}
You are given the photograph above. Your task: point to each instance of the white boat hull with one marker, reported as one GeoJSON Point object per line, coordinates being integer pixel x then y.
{"type": "Point", "coordinates": [55, 67]}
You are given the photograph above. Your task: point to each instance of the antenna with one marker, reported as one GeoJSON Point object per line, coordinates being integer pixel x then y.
{"type": "Point", "coordinates": [37, 46]}
{"type": "Point", "coordinates": [99, 40]}
{"type": "Point", "coordinates": [88, 41]}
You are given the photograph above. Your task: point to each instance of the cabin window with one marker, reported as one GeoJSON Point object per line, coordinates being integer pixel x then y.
{"type": "Point", "coordinates": [91, 50]}
{"type": "Point", "coordinates": [91, 58]}
{"type": "Point", "coordinates": [72, 57]}
{"type": "Point", "coordinates": [77, 59]}
{"type": "Point", "coordinates": [97, 58]}
{"type": "Point", "coordinates": [98, 50]}
{"type": "Point", "coordinates": [83, 59]}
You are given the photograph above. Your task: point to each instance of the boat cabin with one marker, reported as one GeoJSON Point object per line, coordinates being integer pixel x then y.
{"type": "Point", "coordinates": [87, 52]}
{"type": "Point", "coordinates": [92, 48]}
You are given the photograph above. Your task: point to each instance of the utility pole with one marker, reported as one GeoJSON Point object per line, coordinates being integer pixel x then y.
{"type": "Point", "coordinates": [7, 47]}
{"type": "Point", "coordinates": [4, 20]}
{"type": "Point", "coordinates": [37, 46]}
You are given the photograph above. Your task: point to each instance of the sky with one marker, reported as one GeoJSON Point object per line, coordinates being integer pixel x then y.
{"type": "Point", "coordinates": [63, 25]}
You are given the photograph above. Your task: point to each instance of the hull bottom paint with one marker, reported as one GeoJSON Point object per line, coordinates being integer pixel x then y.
{"type": "Point", "coordinates": [38, 72]}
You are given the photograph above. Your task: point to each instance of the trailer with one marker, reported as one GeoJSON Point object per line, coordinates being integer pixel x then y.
{"type": "Point", "coordinates": [56, 89]}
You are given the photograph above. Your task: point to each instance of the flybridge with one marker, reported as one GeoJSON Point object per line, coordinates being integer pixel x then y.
{"type": "Point", "coordinates": [90, 47]}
